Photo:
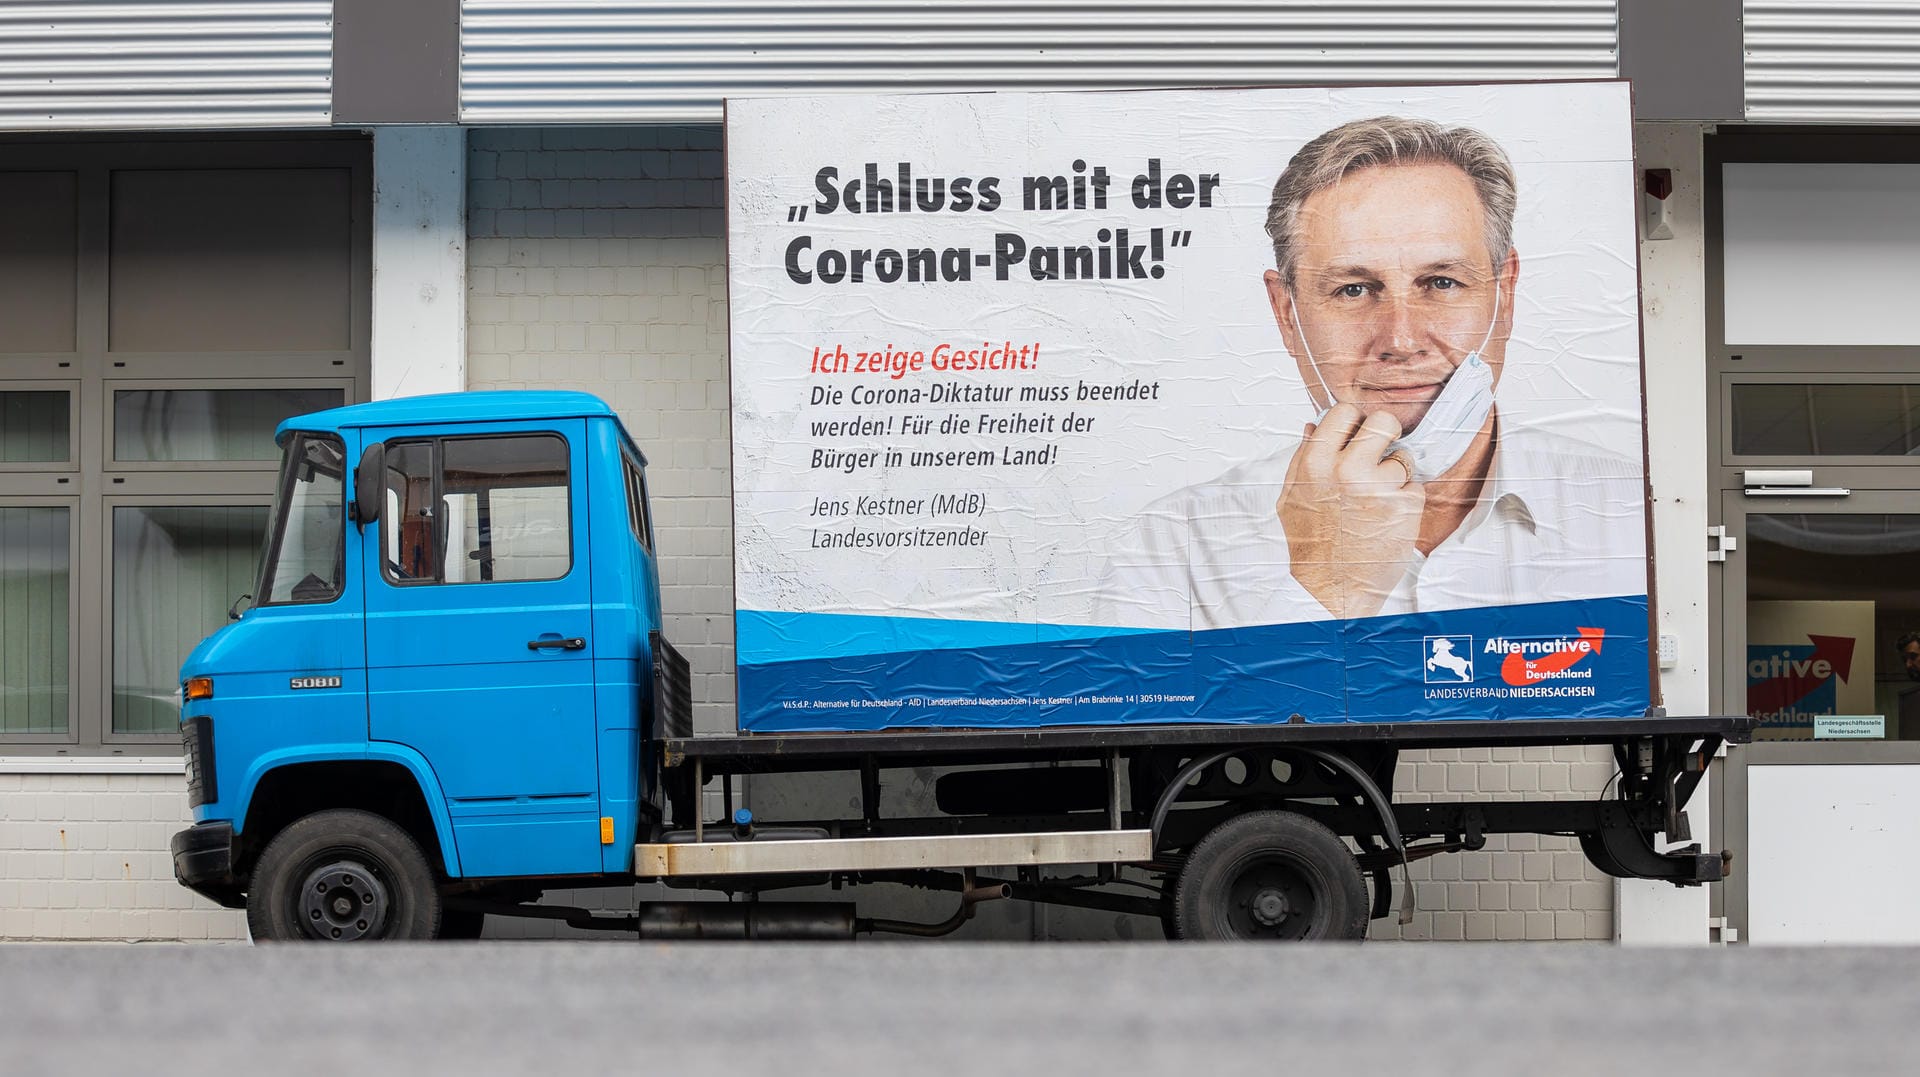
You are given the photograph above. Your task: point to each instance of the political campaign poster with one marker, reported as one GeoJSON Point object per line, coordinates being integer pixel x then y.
{"type": "Point", "coordinates": [1270, 405]}
{"type": "Point", "coordinates": [1807, 659]}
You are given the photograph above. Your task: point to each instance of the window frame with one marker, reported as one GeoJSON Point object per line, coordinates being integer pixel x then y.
{"type": "Point", "coordinates": [1872, 480]}
{"type": "Point", "coordinates": [639, 512]}
{"type": "Point", "coordinates": [442, 540]}
{"type": "Point", "coordinates": [45, 385]}
{"type": "Point", "coordinates": [263, 585]}
{"type": "Point", "coordinates": [90, 483]}
{"type": "Point", "coordinates": [114, 387]}
{"type": "Point", "coordinates": [104, 687]}
{"type": "Point", "coordinates": [75, 642]}
{"type": "Point", "coordinates": [1730, 382]}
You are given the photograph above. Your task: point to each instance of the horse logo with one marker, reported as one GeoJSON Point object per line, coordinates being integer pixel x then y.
{"type": "Point", "coordinates": [1449, 655]}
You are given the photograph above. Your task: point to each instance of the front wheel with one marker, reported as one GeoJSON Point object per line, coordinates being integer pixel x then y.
{"type": "Point", "coordinates": [343, 876]}
{"type": "Point", "coordinates": [1270, 875]}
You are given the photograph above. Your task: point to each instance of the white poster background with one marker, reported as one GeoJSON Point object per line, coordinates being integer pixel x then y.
{"type": "Point", "coordinates": [1204, 331]}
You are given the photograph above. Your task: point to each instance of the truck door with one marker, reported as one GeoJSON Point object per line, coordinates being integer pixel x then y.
{"type": "Point", "coordinates": [479, 637]}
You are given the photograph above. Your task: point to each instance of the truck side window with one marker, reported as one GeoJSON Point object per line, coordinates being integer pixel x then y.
{"type": "Point", "coordinates": [477, 510]}
{"type": "Point", "coordinates": [410, 550]}
{"type": "Point", "coordinates": [637, 504]}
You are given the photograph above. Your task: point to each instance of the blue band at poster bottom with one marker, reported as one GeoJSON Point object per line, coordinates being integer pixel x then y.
{"type": "Point", "coordinates": [1571, 660]}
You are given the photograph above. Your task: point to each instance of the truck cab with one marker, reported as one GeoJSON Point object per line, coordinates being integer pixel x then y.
{"type": "Point", "coordinates": [451, 643]}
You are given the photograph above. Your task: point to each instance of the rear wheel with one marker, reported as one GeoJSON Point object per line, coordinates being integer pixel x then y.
{"type": "Point", "coordinates": [342, 876]}
{"type": "Point", "coordinates": [1273, 876]}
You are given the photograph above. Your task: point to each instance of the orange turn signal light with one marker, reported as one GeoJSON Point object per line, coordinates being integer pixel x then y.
{"type": "Point", "coordinates": [199, 687]}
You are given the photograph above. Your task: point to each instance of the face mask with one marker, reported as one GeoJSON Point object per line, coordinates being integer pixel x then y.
{"type": "Point", "coordinates": [1454, 418]}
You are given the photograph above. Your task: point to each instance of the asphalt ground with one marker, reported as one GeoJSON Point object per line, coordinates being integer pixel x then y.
{"type": "Point", "coordinates": [906, 1008]}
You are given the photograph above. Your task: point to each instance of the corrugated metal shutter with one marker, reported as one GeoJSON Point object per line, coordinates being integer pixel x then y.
{"type": "Point", "coordinates": [580, 61]}
{"type": "Point", "coordinates": [1833, 61]}
{"type": "Point", "coordinates": [91, 64]}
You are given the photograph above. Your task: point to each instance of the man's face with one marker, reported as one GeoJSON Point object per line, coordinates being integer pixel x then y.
{"type": "Point", "coordinates": [1393, 288]}
{"type": "Point", "coordinates": [1910, 657]}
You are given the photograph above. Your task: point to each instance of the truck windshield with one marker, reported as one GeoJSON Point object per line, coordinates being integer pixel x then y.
{"type": "Point", "coordinates": [304, 560]}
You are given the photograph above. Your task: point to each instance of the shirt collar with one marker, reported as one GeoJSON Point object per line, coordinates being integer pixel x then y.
{"type": "Point", "coordinates": [1511, 492]}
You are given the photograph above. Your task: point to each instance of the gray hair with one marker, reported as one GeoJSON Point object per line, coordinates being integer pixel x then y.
{"type": "Point", "coordinates": [1391, 140]}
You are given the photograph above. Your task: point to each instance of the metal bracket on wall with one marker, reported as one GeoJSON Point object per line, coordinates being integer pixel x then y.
{"type": "Point", "coordinates": [1719, 543]}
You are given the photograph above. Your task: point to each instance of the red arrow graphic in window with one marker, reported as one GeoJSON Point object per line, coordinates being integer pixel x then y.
{"type": "Point", "coordinates": [1794, 680]}
{"type": "Point", "coordinates": [1521, 670]}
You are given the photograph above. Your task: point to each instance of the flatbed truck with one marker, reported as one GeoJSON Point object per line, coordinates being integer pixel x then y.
{"type": "Point", "coordinates": [454, 693]}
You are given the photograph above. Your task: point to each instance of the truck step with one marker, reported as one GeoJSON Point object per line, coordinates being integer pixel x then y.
{"type": "Point", "coordinates": [667, 859]}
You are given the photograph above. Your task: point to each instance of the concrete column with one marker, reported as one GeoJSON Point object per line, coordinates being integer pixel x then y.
{"type": "Point", "coordinates": [419, 261]}
{"type": "Point", "coordinates": [1673, 303]}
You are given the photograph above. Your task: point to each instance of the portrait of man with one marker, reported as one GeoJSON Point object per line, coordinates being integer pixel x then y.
{"type": "Point", "coordinates": [1393, 289]}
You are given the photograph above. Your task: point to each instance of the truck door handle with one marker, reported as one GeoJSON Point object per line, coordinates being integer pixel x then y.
{"type": "Point", "coordinates": [571, 643]}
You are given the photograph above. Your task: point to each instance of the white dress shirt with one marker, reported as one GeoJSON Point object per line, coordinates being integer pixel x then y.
{"type": "Point", "coordinates": [1557, 519]}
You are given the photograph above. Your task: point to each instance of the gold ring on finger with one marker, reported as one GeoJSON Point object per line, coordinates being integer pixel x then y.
{"type": "Point", "coordinates": [1404, 459]}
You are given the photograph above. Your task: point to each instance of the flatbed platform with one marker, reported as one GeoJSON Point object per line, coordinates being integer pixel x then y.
{"type": "Point", "coordinates": [755, 751]}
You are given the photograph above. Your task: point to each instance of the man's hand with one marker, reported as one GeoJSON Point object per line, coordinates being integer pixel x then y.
{"type": "Point", "coordinates": [1350, 516]}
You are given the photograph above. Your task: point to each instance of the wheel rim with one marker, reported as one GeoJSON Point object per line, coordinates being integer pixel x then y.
{"type": "Point", "coordinates": [1274, 897]}
{"type": "Point", "coordinates": [343, 899]}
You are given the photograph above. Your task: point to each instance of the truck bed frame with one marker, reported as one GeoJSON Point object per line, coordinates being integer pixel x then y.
{"type": "Point", "coordinates": [1170, 784]}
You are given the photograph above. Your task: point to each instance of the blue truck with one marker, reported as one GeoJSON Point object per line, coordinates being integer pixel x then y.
{"type": "Point", "coordinates": [452, 693]}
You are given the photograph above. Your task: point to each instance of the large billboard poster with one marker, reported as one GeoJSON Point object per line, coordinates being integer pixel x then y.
{"type": "Point", "coordinates": [1271, 405]}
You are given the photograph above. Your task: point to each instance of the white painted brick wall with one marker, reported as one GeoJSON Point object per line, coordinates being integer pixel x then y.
{"type": "Point", "coordinates": [1521, 886]}
{"type": "Point", "coordinates": [85, 856]}
{"type": "Point", "coordinates": [597, 262]}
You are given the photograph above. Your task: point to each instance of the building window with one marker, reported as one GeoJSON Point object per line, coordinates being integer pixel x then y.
{"type": "Point", "coordinates": [163, 308]}
{"type": "Point", "coordinates": [36, 587]}
{"type": "Point", "coordinates": [176, 571]}
{"type": "Point", "coordinates": [208, 424]}
{"type": "Point", "coordinates": [36, 426]}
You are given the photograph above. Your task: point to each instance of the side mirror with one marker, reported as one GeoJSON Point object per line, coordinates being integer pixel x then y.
{"type": "Point", "coordinates": [367, 484]}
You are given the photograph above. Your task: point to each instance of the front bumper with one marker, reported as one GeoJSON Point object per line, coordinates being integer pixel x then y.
{"type": "Point", "coordinates": [203, 862]}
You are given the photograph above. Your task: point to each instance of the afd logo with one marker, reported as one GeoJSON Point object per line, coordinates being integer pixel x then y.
{"type": "Point", "coordinates": [1539, 660]}
{"type": "Point", "coordinates": [1788, 685]}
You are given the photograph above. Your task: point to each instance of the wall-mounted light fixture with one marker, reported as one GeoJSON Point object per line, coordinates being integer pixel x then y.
{"type": "Point", "coordinates": [1656, 204]}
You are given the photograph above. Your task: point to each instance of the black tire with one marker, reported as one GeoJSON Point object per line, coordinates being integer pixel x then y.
{"type": "Point", "coordinates": [342, 876]}
{"type": "Point", "coordinates": [461, 924]}
{"type": "Point", "coordinates": [1273, 876]}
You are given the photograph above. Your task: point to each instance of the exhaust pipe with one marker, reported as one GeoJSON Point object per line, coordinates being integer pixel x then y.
{"type": "Point", "coordinates": [971, 895]}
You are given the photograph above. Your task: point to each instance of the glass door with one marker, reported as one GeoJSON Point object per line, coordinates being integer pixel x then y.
{"type": "Point", "coordinates": [1820, 630]}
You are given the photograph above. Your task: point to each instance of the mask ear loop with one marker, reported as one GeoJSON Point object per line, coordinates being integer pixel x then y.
{"type": "Point", "coordinates": [1484, 341]}
{"type": "Point", "coordinates": [1293, 309]}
